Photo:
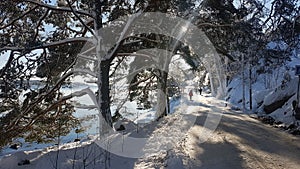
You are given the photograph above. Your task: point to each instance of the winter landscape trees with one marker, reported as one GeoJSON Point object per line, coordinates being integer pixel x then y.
{"type": "Point", "coordinates": [41, 39]}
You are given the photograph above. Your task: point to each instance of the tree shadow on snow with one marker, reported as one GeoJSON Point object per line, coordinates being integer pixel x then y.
{"type": "Point", "coordinates": [222, 153]}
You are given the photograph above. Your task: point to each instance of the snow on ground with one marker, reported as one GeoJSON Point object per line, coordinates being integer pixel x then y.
{"type": "Point", "coordinates": [89, 117]}
{"type": "Point", "coordinates": [185, 139]}
{"type": "Point", "coordinates": [89, 120]}
{"type": "Point", "coordinates": [38, 152]}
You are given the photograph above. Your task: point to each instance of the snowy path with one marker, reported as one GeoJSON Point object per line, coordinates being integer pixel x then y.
{"type": "Point", "coordinates": [238, 142]}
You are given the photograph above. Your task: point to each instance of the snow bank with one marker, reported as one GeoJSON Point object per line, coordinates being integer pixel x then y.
{"type": "Point", "coordinates": [272, 91]}
{"type": "Point", "coordinates": [281, 92]}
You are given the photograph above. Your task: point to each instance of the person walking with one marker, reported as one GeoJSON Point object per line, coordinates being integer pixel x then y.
{"type": "Point", "coordinates": [200, 90]}
{"type": "Point", "coordinates": [191, 94]}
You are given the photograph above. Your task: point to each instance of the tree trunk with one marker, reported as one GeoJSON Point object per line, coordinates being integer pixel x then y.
{"type": "Point", "coordinates": [104, 95]}
{"type": "Point", "coordinates": [250, 86]}
{"type": "Point", "coordinates": [162, 97]}
{"type": "Point", "coordinates": [105, 118]}
{"type": "Point", "coordinates": [243, 84]}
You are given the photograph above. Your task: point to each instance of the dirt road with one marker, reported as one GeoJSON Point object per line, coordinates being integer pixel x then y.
{"type": "Point", "coordinates": [238, 142]}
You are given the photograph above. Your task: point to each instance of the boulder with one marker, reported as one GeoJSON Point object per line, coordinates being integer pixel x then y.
{"type": "Point", "coordinates": [24, 162]}
{"type": "Point", "coordinates": [276, 105]}
{"type": "Point", "coordinates": [14, 146]}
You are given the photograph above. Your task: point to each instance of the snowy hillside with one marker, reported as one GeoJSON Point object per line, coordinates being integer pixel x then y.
{"type": "Point", "coordinates": [273, 93]}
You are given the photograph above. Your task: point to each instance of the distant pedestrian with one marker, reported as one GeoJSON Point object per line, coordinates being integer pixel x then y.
{"type": "Point", "coordinates": [200, 90]}
{"type": "Point", "coordinates": [191, 94]}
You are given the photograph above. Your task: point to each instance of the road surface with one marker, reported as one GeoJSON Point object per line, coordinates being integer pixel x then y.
{"type": "Point", "coordinates": [238, 142]}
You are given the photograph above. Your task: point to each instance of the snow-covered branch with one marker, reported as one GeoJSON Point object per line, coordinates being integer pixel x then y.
{"type": "Point", "coordinates": [56, 8]}
{"type": "Point", "coordinates": [47, 45]}
{"type": "Point", "coordinates": [87, 57]}
{"type": "Point", "coordinates": [86, 52]}
{"type": "Point", "coordinates": [64, 98]}
{"type": "Point", "coordinates": [143, 80]}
